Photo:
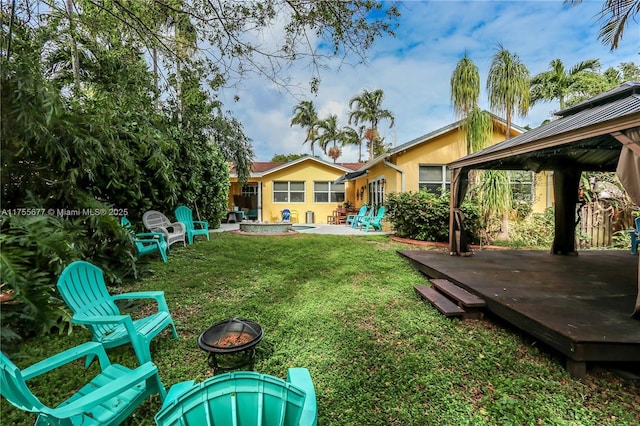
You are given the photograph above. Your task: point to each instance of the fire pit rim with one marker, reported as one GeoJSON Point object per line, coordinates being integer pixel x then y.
{"type": "Point", "coordinates": [213, 349]}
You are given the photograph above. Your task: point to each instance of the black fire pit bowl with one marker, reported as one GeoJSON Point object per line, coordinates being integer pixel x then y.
{"type": "Point", "coordinates": [231, 336]}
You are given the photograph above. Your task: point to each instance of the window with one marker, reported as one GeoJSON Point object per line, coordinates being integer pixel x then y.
{"type": "Point", "coordinates": [376, 192]}
{"type": "Point", "coordinates": [327, 192]}
{"type": "Point", "coordinates": [249, 190]}
{"type": "Point", "coordinates": [288, 192]}
{"type": "Point", "coordinates": [521, 185]}
{"type": "Point", "coordinates": [434, 179]}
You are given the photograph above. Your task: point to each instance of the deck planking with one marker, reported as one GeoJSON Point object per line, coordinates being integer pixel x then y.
{"type": "Point", "coordinates": [578, 305]}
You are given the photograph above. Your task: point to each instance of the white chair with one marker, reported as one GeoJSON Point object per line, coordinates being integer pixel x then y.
{"type": "Point", "coordinates": [157, 222]}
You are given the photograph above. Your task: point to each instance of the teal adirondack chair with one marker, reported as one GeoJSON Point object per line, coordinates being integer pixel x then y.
{"type": "Point", "coordinates": [147, 242]}
{"type": "Point", "coordinates": [107, 399]}
{"type": "Point", "coordinates": [353, 220]}
{"type": "Point", "coordinates": [242, 398]}
{"type": "Point", "coordinates": [83, 289]}
{"type": "Point", "coordinates": [635, 236]}
{"type": "Point", "coordinates": [193, 227]}
{"type": "Point", "coordinates": [373, 221]}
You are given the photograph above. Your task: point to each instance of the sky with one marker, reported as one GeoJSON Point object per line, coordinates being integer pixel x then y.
{"type": "Point", "coordinates": [414, 69]}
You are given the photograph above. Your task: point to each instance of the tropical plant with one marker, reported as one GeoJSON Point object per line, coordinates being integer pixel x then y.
{"type": "Point", "coordinates": [368, 110]}
{"type": "Point", "coordinates": [329, 136]}
{"type": "Point", "coordinates": [558, 83]}
{"type": "Point", "coordinates": [305, 116]}
{"type": "Point", "coordinates": [424, 216]}
{"type": "Point", "coordinates": [350, 136]}
{"type": "Point", "coordinates": [494, 195]}
{"type": "Point", "coordinates": [614, 16]}
{"type": "Point", "coordinates": [465, 87]}
{"type": "Point", "coordinates": [508, 86]}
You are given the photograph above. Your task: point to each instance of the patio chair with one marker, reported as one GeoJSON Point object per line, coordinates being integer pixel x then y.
{"type": "Point", "coordinates": [193, 227]}
{"type": "Point", "coordinates": [157, 222]}
{"type": "Point", "coordinates": [242, 398]}
{"type": "Point", "coordinates": [147, 242]}
{"type": "Point", "coordinates": [353, 220]}
{"type": "Point", "coordinates": [83, 289]}
{"type": "Point", "coordinates": [286, 215]}
{"type": "Point", "coordinates": [107, 399]}
{"type": "Point", "coordinates": [635, 236]}
{"type": "Point", "coordinates": [373, 221]}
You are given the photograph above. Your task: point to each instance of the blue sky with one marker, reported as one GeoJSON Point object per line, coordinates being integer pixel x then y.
{"type": "Point", "coordinates": [414, 68]}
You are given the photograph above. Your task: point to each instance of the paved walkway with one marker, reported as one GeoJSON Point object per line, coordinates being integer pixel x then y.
{"type": "Point", "coordinates": [316, 228]}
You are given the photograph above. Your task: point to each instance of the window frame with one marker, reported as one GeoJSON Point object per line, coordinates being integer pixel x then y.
{"type": "Point", "coordinates": [288, 191]}
{"type": "Point", "coordinates": [444, 184]}
{"type": "Point", "coordinates": [329, 192]}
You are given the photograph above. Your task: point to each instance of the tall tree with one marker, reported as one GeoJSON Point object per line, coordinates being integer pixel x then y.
{"type": "Point", "coordinates": [558, 83]}
{"type": "Point", "coordinates": [350, 136]}
{"type": "Point", "coordinates": [465, 87]}
{"type": "Point", "coordinates": [614, 17]}
{"type": "Point", "coordinates": [305, 116]}
{"type": "Point", "coordinates": [368, 110]}
{"type": "Point", "coordinates": [508, 86]}
{"type": "Point", "coordinates": [329, 136]}
{"type": "Point", "coordinates": [465, 92]}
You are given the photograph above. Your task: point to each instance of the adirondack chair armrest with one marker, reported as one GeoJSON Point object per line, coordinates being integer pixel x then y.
{"type": "Point", "coordinates": [147, 241]}
{"type": "Point", "coordinates": [201, 223]}
{"type": "Point", "coordinates": [110, 390]}
{"type": "Point", "coordinates": [65, 357]}
{"type": "Point", "coordinates": [301, 378]}
{"type": "Point", "coordinates": [154, 235]}
{"type": "Point", "coordinates": [158, 296]}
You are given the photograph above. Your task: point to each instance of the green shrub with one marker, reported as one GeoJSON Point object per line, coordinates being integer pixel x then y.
{"type": "Point", "coordinates": [34, 251]}
{"type": "Point", "coordinates": [425, 216]}
{"type": "Point", "coordinates": [535, 230]}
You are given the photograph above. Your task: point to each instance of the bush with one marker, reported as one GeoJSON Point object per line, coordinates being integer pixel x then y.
{"type": "Point", "coordinates": [425, 216]}
{"type": "Point", "coordinates": [35, 250]}
{"type": "Point", "coordinates": [535, 230]}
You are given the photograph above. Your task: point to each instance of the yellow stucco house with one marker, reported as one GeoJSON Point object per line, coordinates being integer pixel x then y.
{"type": "Point", "coordinates": [313, 185]}
{"type": "Point", "coordinates": [303, 185]}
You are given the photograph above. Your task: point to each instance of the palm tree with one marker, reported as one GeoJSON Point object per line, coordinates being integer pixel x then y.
{"type": "Point", "coordinates": [329, 134]}
{"type": "Point", "coordinates": [465, 87]}
{"type": "Point", "coordinates": [558, 83]}
{"type": "Point", "coordinates": [508, 86]}
{"type": "Point", "coordinates": [465, 92]}
{"type": "Point", "coordinates": [304, 115]}
{"type": "Point", "coordinates": [350, 136]}
{"type": "Point", "coordinates": [615, 14]}
{"type": "Point", "coordinates": [368, 109]}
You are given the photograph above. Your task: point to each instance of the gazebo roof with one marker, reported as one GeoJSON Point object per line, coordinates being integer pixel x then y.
{"type": "Point", "coordinates": [583, 136]}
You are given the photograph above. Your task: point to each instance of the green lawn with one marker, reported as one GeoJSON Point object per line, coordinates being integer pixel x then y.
{"type": "Point", "coordinates": [345, 308]}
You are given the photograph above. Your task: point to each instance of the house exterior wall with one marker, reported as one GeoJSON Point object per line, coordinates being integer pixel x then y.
{"type": "Point", "coordinates": [309, 172]}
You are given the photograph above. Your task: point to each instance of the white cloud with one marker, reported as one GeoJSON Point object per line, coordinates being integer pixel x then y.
{"type": "Point", "coordinates": [414, 69]}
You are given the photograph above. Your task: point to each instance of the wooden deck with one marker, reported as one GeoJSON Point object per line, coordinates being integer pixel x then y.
{"type": "Point", "coordinates": [578, 305]}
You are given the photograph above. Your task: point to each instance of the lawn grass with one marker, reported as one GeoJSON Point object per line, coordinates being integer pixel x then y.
{"type": "Point", "coordinates": [345, 308]}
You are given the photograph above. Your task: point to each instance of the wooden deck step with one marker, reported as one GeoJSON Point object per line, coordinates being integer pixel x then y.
{"type": "Point", "coordinates": [466, 299]}
{"type": "Point", "coordinates": [439, 301]}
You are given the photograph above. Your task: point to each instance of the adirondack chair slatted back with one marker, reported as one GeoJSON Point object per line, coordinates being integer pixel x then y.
{"type": "Point", "coordinates": [185, 215]}
{"type": "Point", "coordinates": [233, 399]}
{"type": "Point", "coordinates": [83, 289]}
{"type": "Point", "coordinates": [15, 389]}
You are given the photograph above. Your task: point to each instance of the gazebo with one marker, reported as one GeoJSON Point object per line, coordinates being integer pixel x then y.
{"type": "Point", "coordinates": [598, 134]}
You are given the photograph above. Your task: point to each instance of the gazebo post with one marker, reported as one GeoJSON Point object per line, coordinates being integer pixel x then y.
{"type": "Point", "coordinates": [566, 184]}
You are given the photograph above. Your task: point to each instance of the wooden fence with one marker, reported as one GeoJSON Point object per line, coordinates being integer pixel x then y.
{"type": "Point", "coordinates": [595, 227]}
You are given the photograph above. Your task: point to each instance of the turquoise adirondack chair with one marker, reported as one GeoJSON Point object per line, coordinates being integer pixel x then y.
{"type": "Point", "coordinates": [193, 227]}
{"type": "Point", "coordinates": [107, 399]}
{"type": "Point", "coordinates": [83, 289]}
{"type": "Point", "coordinates": [147, 242]}
{"type": "Point", "coordinates": [242, 398]}
{"type": "Point", "coordinates": [635, 236]}
{"type": "Point", "coordinates": [354, 219]}
{"type": "Point", "coordinates": [373, 221]}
